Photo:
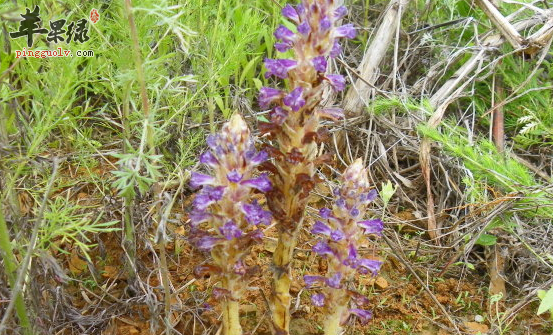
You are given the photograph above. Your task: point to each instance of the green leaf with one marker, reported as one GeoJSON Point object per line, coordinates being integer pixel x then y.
{"type": "Point", "coordinates": [486, 240]}
{"type": "Point", "coordinates": [546, 302]}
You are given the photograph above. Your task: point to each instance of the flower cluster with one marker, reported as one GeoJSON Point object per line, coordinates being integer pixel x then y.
{"type": "Point", "coordinates": [225, 220]}
{"type": "Point", "coordinates": [342, 229]}
{"type": "Point", "coordinates": [313, 34]}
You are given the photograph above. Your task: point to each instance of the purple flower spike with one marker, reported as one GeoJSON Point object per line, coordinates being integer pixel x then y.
{"type": "Point", "coordinates": [337, 235]}
{"type": "Point", "coordinates": [304, 28]}
{"type": "Point", "coordinates": [337, 81]}
{"type": "Point", "coordinates": [230, 230]}
{"type": "Point", "coordinates": [322, 249]}
{"type": "Point", "coordinates": [319, 63]}
{"type": "Point", "coordinates": [370, 264]}
{"type": "Point", "coordinates": [340, 12]}
{"type": "Point", "coordinates": [336, 50]}
{"type": "Point", "coordinates": [325, 213]}
{"type": "Point", "coordinates": [199, 179]}
{"type": "Point", "coordinates": [268, 95]}
{"type": "Point", "coordinates": [362, 314]}
{"type": "Point", "coordinates": [295, 100]}
{"type": "Point", "coordinates": [335, 280]}
{"type": "Point", "coordinates": [234, 176]}
{"type": "Point", "coordinates": [279, 67]}
{"type": "Point", "coordinates": [321, 228]}
{"type": "Point", "coordinates": [346, 30]}
{"type": "Point", "coordinates": [310, 281]}
{"type": "Point", "coordinates": [290, 13]}
{"type": "Point", "coordinates": [262, 183]}
{"type": "Point", "coordinates": [208, 158]}
{"type": "Point", "coordinates": [284, 34]}
{"type": "Point", "coordinates": [318, 299]}
{"type": "Point", "coordinates": [259, 158]}
{"type": "Point", "coordinates": [255, 214]}
{"type": "Point", "coordinates": [374, 226]}
{"type": "Point", "coordinates": [208, 242]}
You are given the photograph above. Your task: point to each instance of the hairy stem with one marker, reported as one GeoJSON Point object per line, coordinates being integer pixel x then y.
{"type": "Point", "coordinates": [332, 324]}
{"type": "Point", "coordinates": [282, 279]}
{"type": "Point", "coordinates": [231, 311]}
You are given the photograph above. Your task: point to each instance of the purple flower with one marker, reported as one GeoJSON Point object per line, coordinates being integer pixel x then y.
{"type": "Point", "coordinates": [335, 280]}
{"type": "Point", "coordinates": [351, 260]}
{"type": "Point", "coordinates": [362, 314]}
{"type": "Point", "coordinates": [318, 299]}
{"type": "Point", "coordinates": [239, 268]}
{"type": "Point", "coordinates": [230, 230]}
{"type": "Point", "coordinates": [208, 242]}
{"type": "Point", "coordinates": [268, 95]}
{"type": "Point", "coordinates": [346, 30]}
{"type": "Point", "coordinates": [340, 12]}
{"type": "Point", "coordinates": [278, 115]}
{"type": "Point", "coordinates": [199, 179]}
{"type": "Point", "coordinates": [337, 235]}
{"type": "Point", "coordinates": [334, 114]}
{"type": "Point", "coordinates": [207, 196]}
{"type": "Point", "coordinates": [321, 228]}
{"type": "Point", "coordinates": [310, 281]}
{"type": "Point", "coordinates": [256, 235]}
{"type": "Point", "coordinates": [262, 183]}
{"type": "Point", "coordinates": [290, 13]}
{"type": "Point", "coordinates": [325, 24]}
{"type": "Point", "coordinates": [255, 214]}
{"type": "Point", "coordinates": [319, 63]}
{"type": "Point", "coordinates": [325, 212]}
{"type": "Point", "coordinates": [283, 47]}
{"type": "Point", "coordinates": [234, 176]}
{"type": "Point", "coordinates": [208, 158]}
{"type": "Point", "coordinates": [279, 67]}
{"type": "Point", "coordinates": [370, 265]}
{"type": "Point", "coordinates": [295, 100]}
{"type": "Point", "coordinates": [322, 249]}
{"type": "Point", "coordinates": [341, 203]}
{"type": "Point", "coordinates": [197, 217]}
{"type": "Point", "coordinates": [284, 34]}
{"type": "Point", "coordinates": [374, 226]}
{"type": "Point", "coordinates": [304, 28]}
{"type": "Point", "coordinates": [259, 158]}
{"type": "Point", "coordinates": [337, 81]}
{"type": "Point", "coordinates": [368, 197]}
{"type": "Point", "coordinates": [354, 212]}
{"type": "Point", "coordinates": [336, 50]}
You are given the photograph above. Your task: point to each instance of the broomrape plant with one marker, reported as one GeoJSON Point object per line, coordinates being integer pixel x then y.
{"type": "Point", "coordinates": [343, 229]}
{"type": "Point", "coordinates": [294, 128]}
{"type": "Point", "coordinates": [225, 219]}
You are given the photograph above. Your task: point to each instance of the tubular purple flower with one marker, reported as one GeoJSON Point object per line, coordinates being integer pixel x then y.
{"type": "Point", "coordinates": [337, 235]}
{"type": "Point", "coordinates": [319, 63]}
{"type": "Point", "coordinates": [336, 50]}
{"type": "Point", "coordinates": [334, 114]}
{"type": "Point", "coordinates": [284, 34]}
{"type": "Point", "coordinates": [340, 12]}
{"type": "Point", "coordinates": [199, 179]}
{"type": "Point", "coordinates": [325, 212]}
{"type": "Point", "coordinates": [290, 13]}
{"type": "Point", "coordinates": [268, 95]}
{"type": "Point", "coordinates": [208, 242]}
{"type": "Point", "coordinates": [262, 183]}
{"type": "Point", "coordinates": [283, 47]}
{"type": "Point", "coordinates": [197, 217]}
{"type": "Point", "coordinates": [310, 281]}
{"type": "Point", "coordinates": [304, 28]}
{"type": "Point", "coordinates": [294, 100]}
{"type": "Point", "coordinates": [279, 67]}
{"type": "Point", "coordinates": [368, 197]}
{"type": "Point", "coordinates": [255, 214]}
{"type": "Point", "coordinates": [318, 299]}
{"type": "Point", "coordinates": [335, 280]}
{"type": "Point", "coordinates": [207, 196]}
{"type": "Point", "coordinates": [338, 82]}
{"type": "Point", "coordinates": [208, 158]}
{"type": "Point", "coordinates": [234, 176]}
{"type": "Point", "coordinates": [346, 30]}
{"type": "Point", "coordinates": [259, 158]}
{"type": "Point", "coordinates": [278, 115]}
{"type": "Point", "coordinates": [321, 228]}
{"type": "Point", "coordinates": [230, 230]}
{"type": "Point", "coordinates": [354, 212]}
{"type": "Point", "coordinates": [325, 24]}
{"type": "Point", "coordinates": [370, 264]}
{"type": "Point", "coordinates": [362, 314]}
{"type": "Point", "coordinates": [374, 226]}
{"type": "Point", "coordinates": [322, 249]}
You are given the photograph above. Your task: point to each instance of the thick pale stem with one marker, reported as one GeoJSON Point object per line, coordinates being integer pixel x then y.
{"type": "Point", "coordinates": [231, 318]}
{"type": "Point", "coordinates": [282, 279]}
{"type": "Point", "coordinates": [332, 323]}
